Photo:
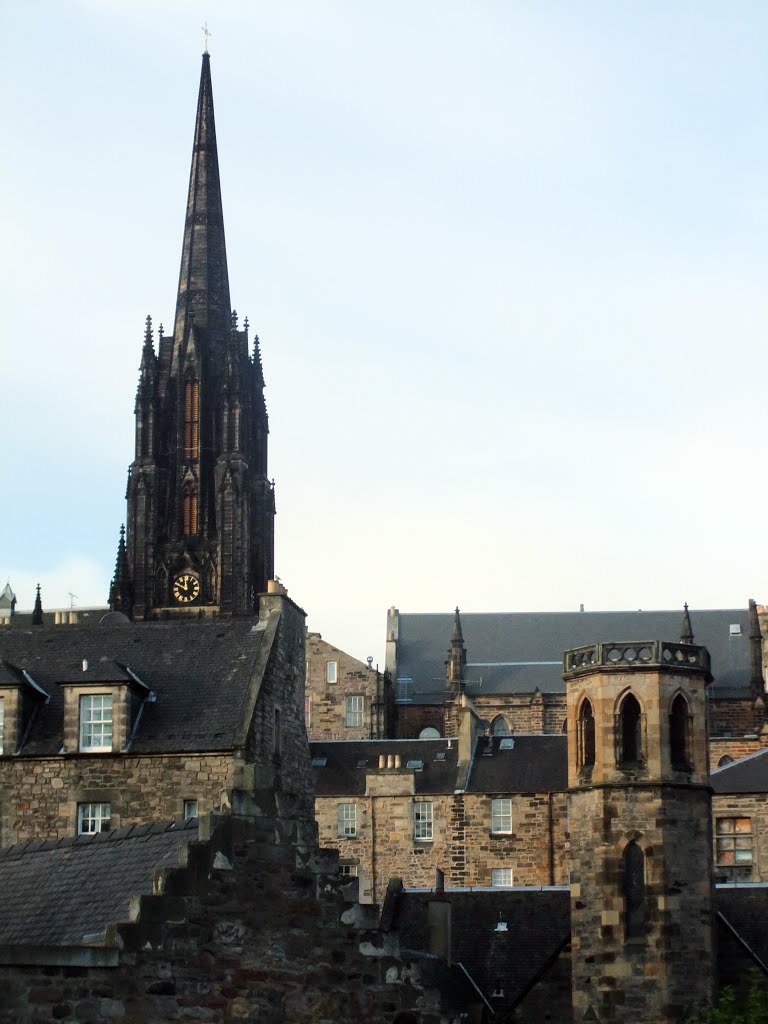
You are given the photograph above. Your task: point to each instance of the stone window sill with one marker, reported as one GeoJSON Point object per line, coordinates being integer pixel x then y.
{"type": "Point", "coordinates": [501, 835]}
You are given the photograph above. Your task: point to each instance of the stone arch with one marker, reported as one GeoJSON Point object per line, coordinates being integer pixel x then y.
{"type": "Point", "coordinates": [680, 732]}
{"type": "Point", "coordinates": [634, 890]}
{"type": "Point", "coordinates": [585, 733]}
{"type": "Point", "coordinates": [500, 726]}
{"type": "Point", "coordinates": [629, 722]}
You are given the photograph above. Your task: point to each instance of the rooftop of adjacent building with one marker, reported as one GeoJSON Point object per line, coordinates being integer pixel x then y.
{"type": "Point", "coordinates": [519, 652]}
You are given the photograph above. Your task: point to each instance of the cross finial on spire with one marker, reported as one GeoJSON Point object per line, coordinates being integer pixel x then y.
{"type": "Point", "coordinates": [206, 33]}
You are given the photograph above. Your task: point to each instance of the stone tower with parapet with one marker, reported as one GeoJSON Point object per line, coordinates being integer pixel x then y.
{"type": "Point", "coordinates": [641, 831]}
{"type": "Point", "coordinates": [200, 537]}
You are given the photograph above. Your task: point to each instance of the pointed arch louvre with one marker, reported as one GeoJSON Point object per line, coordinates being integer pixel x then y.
{"type": "Point", "coordinates": [190, 511]}
{"type": "Point", "coordinates": [191, 421]}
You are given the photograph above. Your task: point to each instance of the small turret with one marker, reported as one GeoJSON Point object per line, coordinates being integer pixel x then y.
{"type": "Point", "coordinates": [457, 656]}
{"type": "Point", "coordinates": [120, 590]}
{"type": "Point", "coordinates": [686, 629]}
{"type": "Point", "coordinates": [37, 611]}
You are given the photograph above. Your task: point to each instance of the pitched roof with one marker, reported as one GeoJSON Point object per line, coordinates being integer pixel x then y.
{"type": "Point", "coordinates": [747, 775]}
{"type": "Point", "coordinates": [347, 761]}
{"type": "Point", "coordinates": [202, 673]}
{"type": "Point", "coordinates": [519, 764]}
{"type": "Point", "coordinates": [517, 652]}
{"type": "Point", "coordinates": [65, 892]}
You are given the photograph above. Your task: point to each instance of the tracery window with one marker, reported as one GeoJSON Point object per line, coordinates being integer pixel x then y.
{"type": "Point", "coordinates": [499, 726]}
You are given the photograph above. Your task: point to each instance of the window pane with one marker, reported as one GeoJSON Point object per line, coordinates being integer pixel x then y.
{"type": "Point", "coordinates": [347, 820]}
{"type": "Point", "coordinates": [96, 722]}
{"type": "Point", "coordinates": [501, 877]}
{"type": "Point", "coordinates": [422, 820]}
{"type": "Point", "coordinates": [331, 670]}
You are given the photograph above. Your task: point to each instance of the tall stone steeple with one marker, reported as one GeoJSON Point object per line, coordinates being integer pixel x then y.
{"type": "Point", "coordinates": [201, 508]}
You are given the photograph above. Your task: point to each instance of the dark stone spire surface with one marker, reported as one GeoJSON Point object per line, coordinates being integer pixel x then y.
{"type": "Point", "coordinates": [203, 295]}
{"type": "Point", "coordinates": [200, 522]}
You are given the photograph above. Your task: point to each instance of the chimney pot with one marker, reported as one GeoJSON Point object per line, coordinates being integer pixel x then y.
{"type": "Point", "coordinates": [390, 760]}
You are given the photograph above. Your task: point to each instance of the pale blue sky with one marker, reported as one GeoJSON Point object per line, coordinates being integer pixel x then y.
{"type": "Point", "coordinates": [507, 262]}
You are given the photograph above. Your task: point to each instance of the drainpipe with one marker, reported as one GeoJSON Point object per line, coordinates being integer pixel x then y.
{"type": "Point", "coordinates": [551, 840]}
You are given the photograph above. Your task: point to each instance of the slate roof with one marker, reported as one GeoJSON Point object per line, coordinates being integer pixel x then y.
{"type": "Point", "coordinates": [58, 892]}
{"type": "Point", "coordinates": [200, 673]}
{"type": "Point", "coordinates": [534, 764]}
{"type": "Point", "coordinates": [341, 775]}
{"type": "Point", "coordinates": [747, 775]}
{"type": "Point", "coordinates": [516, 652]}
{"type": "Point", "coordinates": [538, 924]}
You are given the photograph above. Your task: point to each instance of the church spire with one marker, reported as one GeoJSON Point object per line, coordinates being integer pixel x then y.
{"type": "Point", "coordinates": [203, 295]}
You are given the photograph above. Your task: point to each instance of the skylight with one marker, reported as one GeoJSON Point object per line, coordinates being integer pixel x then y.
{"type": "Point", "coordinates": [507, 743]}
{"type": "Point", "coordinates": [319, 762]}
{"type": "Point", "coordinates": [417, 766]}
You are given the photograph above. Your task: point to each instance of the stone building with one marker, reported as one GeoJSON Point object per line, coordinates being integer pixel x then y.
{"type": "Point", "coordinates": [345, 698]}
{"type": "Point", "coordinates": [641, 831]}
{"type": "Point", "coordinates": [118, 723]}
{"type": "Point", "coordinates": [486, 811]}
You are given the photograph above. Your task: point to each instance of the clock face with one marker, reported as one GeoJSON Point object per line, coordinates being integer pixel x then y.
{"type": "Point", "coordinates": [186, 588]}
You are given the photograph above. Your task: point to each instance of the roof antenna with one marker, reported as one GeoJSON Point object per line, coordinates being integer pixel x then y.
{"type": "Point", "coordinates": [72, 598]}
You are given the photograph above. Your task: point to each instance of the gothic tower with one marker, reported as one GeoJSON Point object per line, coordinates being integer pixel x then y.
{"type": "Point", "coordinates": [641, 831]}
{"type": "Point", "coordinates": [201, 508]}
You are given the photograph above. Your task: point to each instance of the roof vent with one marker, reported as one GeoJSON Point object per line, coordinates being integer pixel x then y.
{"type": "Point", "coordinates": [734, 629]}
{"type": "Point", "coordinates": [507, 743]}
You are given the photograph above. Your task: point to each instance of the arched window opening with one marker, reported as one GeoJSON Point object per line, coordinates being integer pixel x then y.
{"type": "Point", "coordinates": [191, 420]}
{"type": "Point", "coordinates": [634, 891]}
{"type": "Point", "coordinates": [724, 760]}
{"type": "Point", "coordinates": [679, 729]}
{"type": "Point", "coordinates": [429, 732]}
{"type": "Point", "coordinates": [190, 511]}
{"type": "Point", "coordinates": [629, 730]}
{"type": "Point", "coordinates": [565, 726]}
{"type": "Point", "coordinates": [499, 726]}
{"type": "Point", "coordinates": [586, 735]}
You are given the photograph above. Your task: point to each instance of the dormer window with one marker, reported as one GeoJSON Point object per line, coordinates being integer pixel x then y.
{"type": "Point", "coordinates": [96, 723]}
{"type": "Point", "coordinates": [20, 700]}
{"type": "Point", "coordinates": [104, 702]}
